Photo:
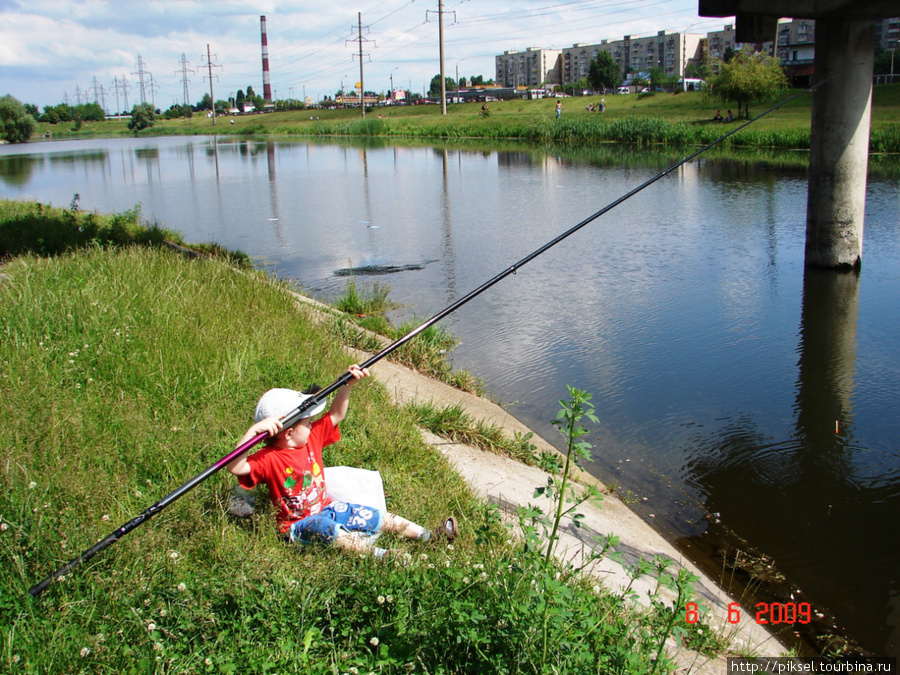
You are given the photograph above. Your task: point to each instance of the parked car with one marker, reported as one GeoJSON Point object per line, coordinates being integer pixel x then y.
{"type": "Point", "coordinates": [623, 90]}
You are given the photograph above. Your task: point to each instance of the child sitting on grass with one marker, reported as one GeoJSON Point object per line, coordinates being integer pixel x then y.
{"type": "Point", "coordinates": [291, 466]}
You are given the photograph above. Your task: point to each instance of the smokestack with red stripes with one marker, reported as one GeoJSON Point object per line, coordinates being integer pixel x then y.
{"type": "Point", "coordinates": [267, 84]}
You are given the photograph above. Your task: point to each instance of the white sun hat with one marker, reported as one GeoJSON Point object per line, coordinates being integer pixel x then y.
{"type": "Point", "coordinates": [280, 402]}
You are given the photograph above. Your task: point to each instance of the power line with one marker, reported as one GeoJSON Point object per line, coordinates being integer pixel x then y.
{"type": "Point", "coordinates": [212, 99]}
{"type": "Point", "coordinates": [362, 84]}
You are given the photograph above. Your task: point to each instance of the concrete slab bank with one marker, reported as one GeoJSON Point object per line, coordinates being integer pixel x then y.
{"type": "Point", "coordinates": [510, 483]}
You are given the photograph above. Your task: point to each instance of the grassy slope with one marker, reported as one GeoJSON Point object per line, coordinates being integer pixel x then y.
{"type": "Point", "coordinates": [123, 373]}
{"type": "Point", "coordinates": [690, 107]}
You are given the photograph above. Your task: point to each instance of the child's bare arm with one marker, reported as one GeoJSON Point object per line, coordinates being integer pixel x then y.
{"type": "Point", "coordinates": [239, 465]}
{"type": "Point", "coordinates": [341, 400]}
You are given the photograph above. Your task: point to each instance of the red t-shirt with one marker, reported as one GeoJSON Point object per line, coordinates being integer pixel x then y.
{"type": "Point", "coordinates": [294, 476]}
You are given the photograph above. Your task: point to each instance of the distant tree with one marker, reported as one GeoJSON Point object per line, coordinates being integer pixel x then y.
{"type": "Point", "coordinates": [434, 88]}
{"type": "Point", "coordinates": [142, 117]}
{"type": "Point", "coordinates": [32, 109]}
{"type": "Point", "coordinates": [476, 81]}
{"type": "Point", "coordinates": [178, 111]}
{"type": "Point", "coordinates": [239, 99]}
{"type": "Point", "coordinates": [16, 125]}
{"type": "Point", "coordinates": [90, 112]}
{"type": "Point", "coordinates": [885, 61]}
{"type": "Point", "coordinates": [604, 72]}
{"type": "Point", "coordinates": [55, 114]}
{"type": "Point", "coordinates": [205, 103]}
{"type": "Point", "coordinates": [749, 78]}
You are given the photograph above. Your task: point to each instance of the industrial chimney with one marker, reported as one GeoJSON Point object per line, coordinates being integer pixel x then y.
{"type": "Point", "coordinates": [267, 84]}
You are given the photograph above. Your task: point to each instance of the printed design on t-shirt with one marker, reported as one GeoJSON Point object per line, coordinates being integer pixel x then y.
{"type": "Point", "coordinates": [303, 493]}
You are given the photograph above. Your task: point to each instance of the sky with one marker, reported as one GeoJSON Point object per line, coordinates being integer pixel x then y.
{"type": "Point", "coordinates": [53, 51]}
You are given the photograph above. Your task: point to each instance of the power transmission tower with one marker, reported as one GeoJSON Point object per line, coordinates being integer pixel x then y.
{"type": "Point", "coordinates": [362, 84]}
{"type": "Point", "coordinates": [123, 85]}
{"type": "Point", "coordinates": [153, 89]}
{"type": "Point", "coordinates": [184, 77]}
{"type": "Point", "coordinates": [440, 13]}
{"type": "Point", "coordinates": [210, 65]}
{"type": "Point", "coordinates": [99, 94]}
{"type": "Point", "coordinates": [141, 73]}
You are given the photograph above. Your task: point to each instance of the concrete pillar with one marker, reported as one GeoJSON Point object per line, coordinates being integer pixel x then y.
{"type": "Point", "coordinates": [839, 142]}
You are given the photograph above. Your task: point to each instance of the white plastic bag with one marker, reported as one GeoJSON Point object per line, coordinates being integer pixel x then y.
{"type": "Point", "coordinates": [355, 486]}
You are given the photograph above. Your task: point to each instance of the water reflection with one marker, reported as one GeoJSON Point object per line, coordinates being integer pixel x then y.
{"type": "Point", "coordinates": [810, 500]}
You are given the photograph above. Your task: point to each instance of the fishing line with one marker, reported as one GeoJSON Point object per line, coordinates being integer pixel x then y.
{"type": "Point", "coordinates": [295, 416]}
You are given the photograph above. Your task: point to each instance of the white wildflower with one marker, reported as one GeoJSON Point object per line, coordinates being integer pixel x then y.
{"type": "Point", "coordinates": [32, 485]}
{"type": "Point", "coordinates": [390, 599]}
{"type": "Point", "coordinates": [3, 527]}
{"type": "Point", "coordinates": [374, 642]}
{"type": "Point", "coordinates": [151, 626]}
{"type": "Point", "coordinates": [173, 555]}
{"type": "Point", "coordinates": [105, 518]}
{"type": "Point", "coordinates": [465, 580]}
{"type": "Point", "coordinates": [157, 646]}
{"type": "Point", "coordinates": [380, 599]}
{"type": "Point", "coordinates": [207, 661]}
{"type": "Point", "coordinates": [84, 652]}
{"type": "Point", "coordinates": [596, 589]}
{"type": "Point", "coordinates": [181, 587]}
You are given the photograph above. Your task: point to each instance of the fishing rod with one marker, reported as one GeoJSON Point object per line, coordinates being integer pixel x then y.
{"type": "Point", "coordinates": [299, 413]}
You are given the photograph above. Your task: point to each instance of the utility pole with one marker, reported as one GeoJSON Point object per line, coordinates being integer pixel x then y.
{"type": "Point", "coordinates": [212, 99]}
{"type": "Point", "coordinates": [140, 73]}
{"type": "Point", "coordinates": [184, 78]}
{"type": "Point", "coordinates": [362, 85]}
{"type": "Point", "coordinates": [440, 12]}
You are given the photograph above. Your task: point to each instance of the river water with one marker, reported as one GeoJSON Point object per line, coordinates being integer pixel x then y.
{"type": "Point", "coordinates": [744, 402]}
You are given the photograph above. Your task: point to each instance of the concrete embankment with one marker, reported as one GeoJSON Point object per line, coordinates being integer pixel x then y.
{"type": "Point", "coordinates": [510, 484]}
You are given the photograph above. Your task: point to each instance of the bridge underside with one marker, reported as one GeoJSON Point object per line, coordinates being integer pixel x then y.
{"type": "Point", "coordinates": [841, 107]}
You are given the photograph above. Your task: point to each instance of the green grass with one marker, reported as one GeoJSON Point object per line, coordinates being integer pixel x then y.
{"type": "Point", "coordinates": [47, 230]}
{"type": "Point", "coordinates": [670, 118]}
{"type": "Point", "coordinates": [126, 371]}
{"type": "Point", "coordinates": [454, 423]}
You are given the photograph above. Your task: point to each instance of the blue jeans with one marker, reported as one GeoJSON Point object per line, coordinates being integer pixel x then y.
{"type": "Point", "coordinates": [324, 527]}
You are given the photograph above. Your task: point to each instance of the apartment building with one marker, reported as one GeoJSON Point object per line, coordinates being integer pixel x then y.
{"type": "Point", "coordinates": [887, 34]}
{"type": "Point", "coordinates": [672, 52]}
{"type": "Point", "coordinates": [534, 67]}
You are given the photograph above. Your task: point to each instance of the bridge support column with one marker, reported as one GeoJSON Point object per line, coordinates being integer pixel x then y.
{"type": "Point", "coordinates": [839, 142]}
